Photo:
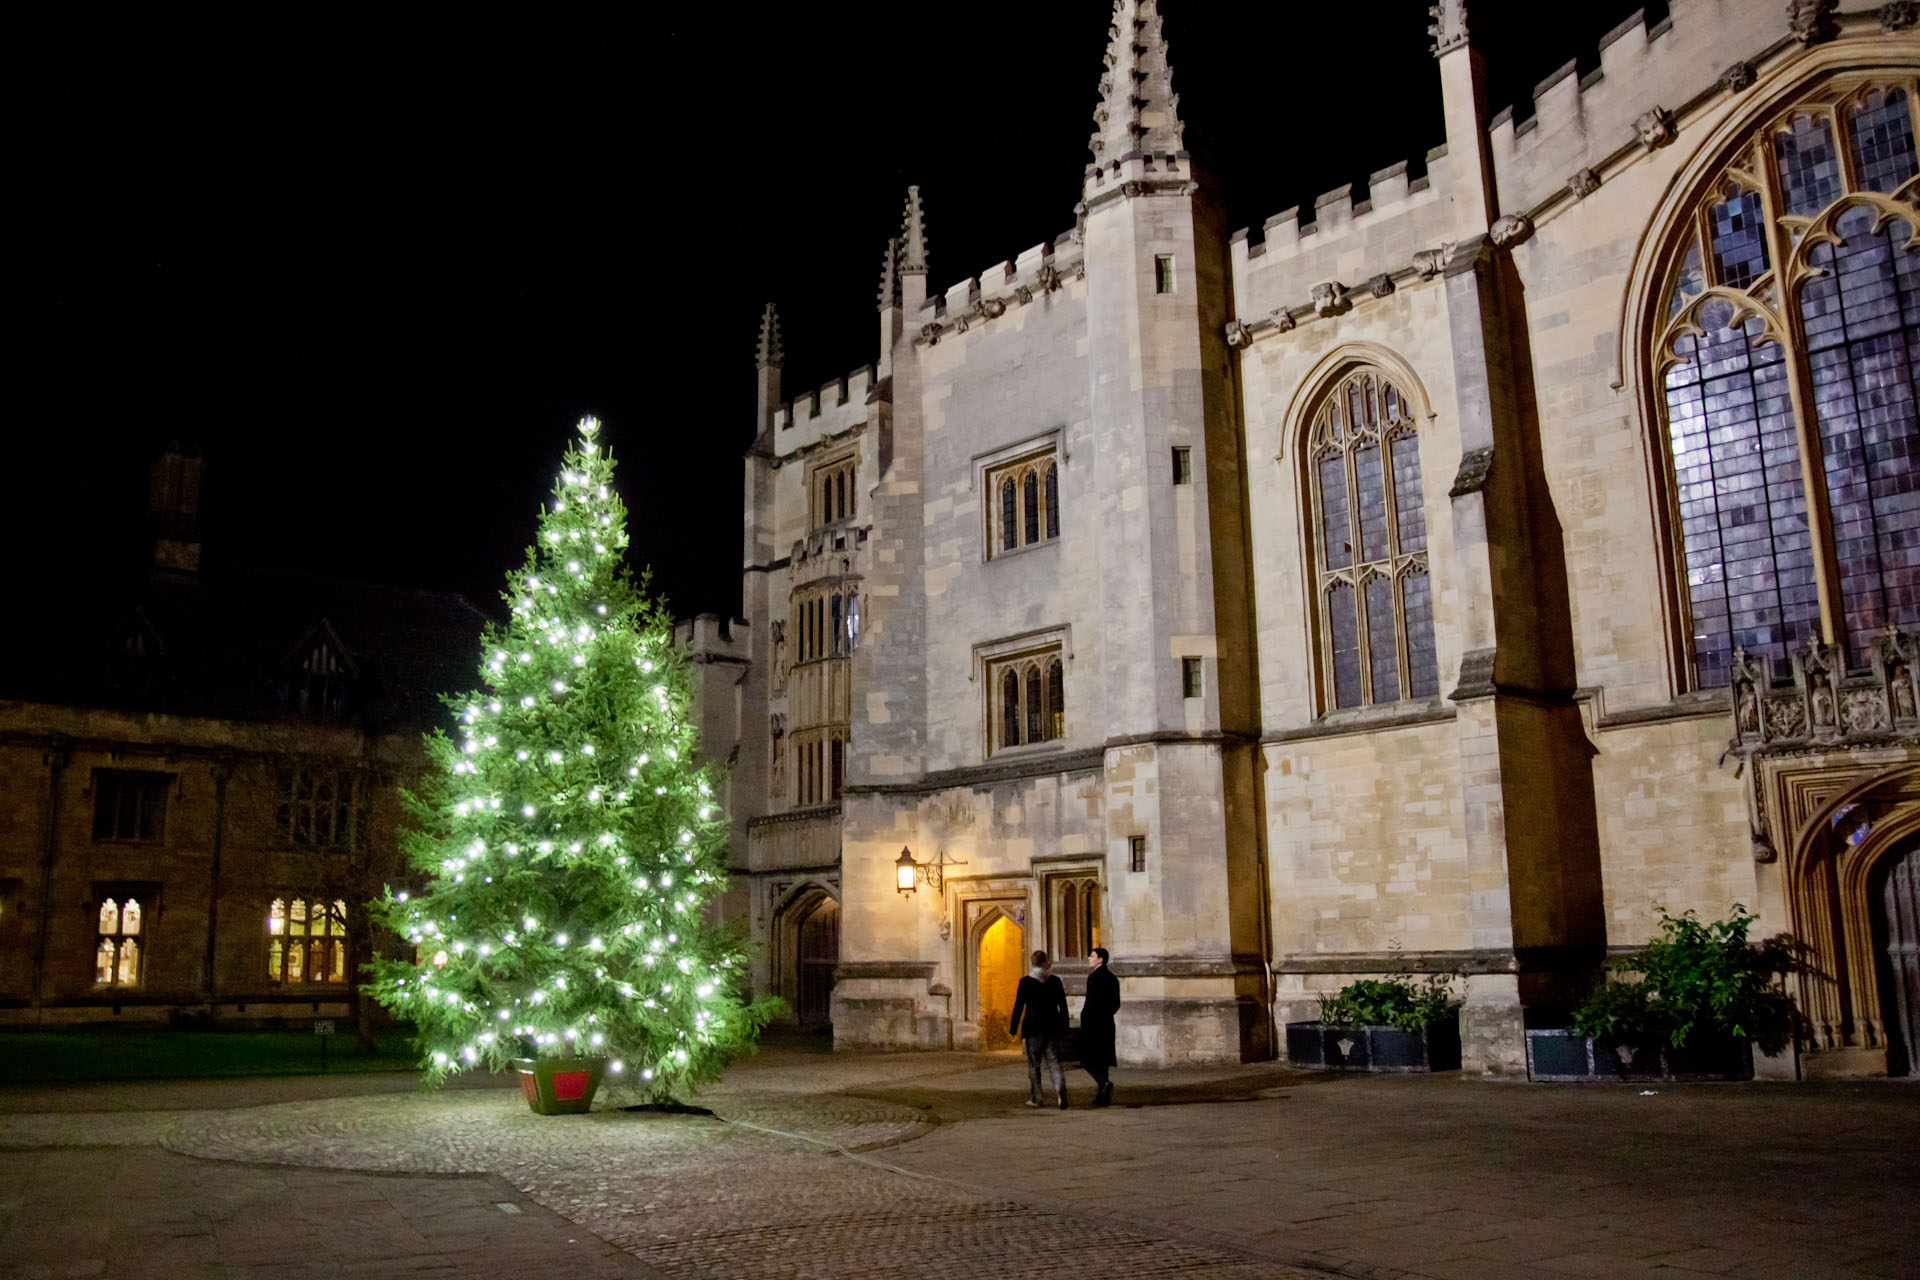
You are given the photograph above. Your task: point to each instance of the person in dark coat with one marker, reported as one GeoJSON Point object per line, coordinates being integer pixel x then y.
{"type": "Point", "coordinates": [1096, 1025]}
{"type": "Point", "coordinates": [1040, 1019]}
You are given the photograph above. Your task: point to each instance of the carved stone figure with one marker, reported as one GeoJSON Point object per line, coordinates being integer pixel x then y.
{"type": "Point", "coordinates": [929, 333]}
{"type": "Point", "coordinates": [1047, 279]}
{"type": "Point", "coordinates": [1811, 21]}
{"type": "Point", "coordinates": [1431, 262]}
{"type": "Point", "coordinates": [1510, 229]}
{"type": "Point", "coordinates": [1746, 713]}
{"type": "Point", "coordinates": [1584, 183]}
{"type": "Point", "coordinates": [1820, 699]}
{"type": "Point", "coordinates": [1381, 285]}
{"type": "Point", "coordinates": [1238, 335]}
{"type": "Point", "coordinates": [777, 784]}
{"type": "Point", "coordinates": [779, 656]}
{"type": "Point", "coordinates": [1737, 77]}
{"type": "Point", "coordinates": [1329, 298]}
{"type": "Point", "coordinates": [1283, 320]}
{"type": "Point", "coordinates": [1900, 686]}
{"type": "Point", "coordinates": [1655, 128]}
{"type": "Point", "coordinates": [1898, 15]}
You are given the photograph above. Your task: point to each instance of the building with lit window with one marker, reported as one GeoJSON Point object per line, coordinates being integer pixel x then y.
{"type": "Point", "coordinates": [199, 782]}
{"type": "Point", "coordinates": [1446, 578]}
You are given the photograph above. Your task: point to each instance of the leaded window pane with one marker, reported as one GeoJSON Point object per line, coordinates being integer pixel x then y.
{"type": "Point", "coordinates": [1336, 549]}
{"type": "Point", "coordinates": [1344, 630]}
{"type": "Point", "coordinates": [1056, 702]}
{"type": "Point", "coordinates": [130, 917]}
{"type": "Point", "coordinates": [1416, 612]}
{"type": "Point", "coordinates": [103, 962]}
{"type": "Point", "coordinates": [129, 974]}
{"type": "Point", "coordinates": [1882, 130]}
{"type": "Point", "coordinates": [109, 916]}
{"type": "Point", "coordinates": [1739, 237]}
{"type": "Point", "coordinates": [1009, 516]}
{"type": "Point", "coordinates": [1409, 501]}
{"type": "Point", "coordinates": [1036, 709]}
{"type": "Point", "coordinates": [1053, 501]}
{"type": "Point", "coordinates": [1741, 504]}
{"type": "Point", "coordinates": [1861, 361]}
{"type": "Point", "coordinates": [1383, 654]}
{"type": "Point", "coordinates": [1030, 496]}
{"type": "Point", "coordinates": [1370, 491]}
{"type": "Point", "coordinates": [1809, 164]}
{"type": "Point", "coordinates": [1010, 709]}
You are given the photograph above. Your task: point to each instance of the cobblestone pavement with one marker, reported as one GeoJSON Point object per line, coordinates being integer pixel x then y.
{"type": "Point", "coordinates": [693, 1196]}
{"type": "Point", "coordinates": [926, 1165]}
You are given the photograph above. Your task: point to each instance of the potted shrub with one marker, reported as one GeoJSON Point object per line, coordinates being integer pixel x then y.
{"type": "Point", "coordinates": [1704, 996]}
{"type": "Point", "coordinates": [1382, 1024]}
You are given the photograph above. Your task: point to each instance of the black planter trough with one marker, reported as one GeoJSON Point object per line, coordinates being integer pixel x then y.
{"type": "Point", "coordinates": [1322, 1047]}
{"type": "Point", "coordinates": [1559, 1054]}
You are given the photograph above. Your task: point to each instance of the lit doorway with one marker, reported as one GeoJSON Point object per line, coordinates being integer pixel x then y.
{"type": "Point", "coordinates": [1002, 959]}
{"type": "Point", "coordinates": [819, 953]}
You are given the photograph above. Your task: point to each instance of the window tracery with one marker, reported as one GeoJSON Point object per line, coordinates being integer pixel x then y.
{"type": "Point", "coordinates": [1786, 374]}
{"type": "Point", "coordinates": [1370, 545]}
{"type": "Point", "coordinates": [307, 940]}
{"type": "Point", "coordinates": [1029, 696]}
{"type": "Point", "coordinates": [1025, 510]}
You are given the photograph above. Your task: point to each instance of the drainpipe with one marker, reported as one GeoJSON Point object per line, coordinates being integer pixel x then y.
{"type": "Point", "coordinates": [221, 770]}
{"type": "Point", "coordinates": [55, 759]}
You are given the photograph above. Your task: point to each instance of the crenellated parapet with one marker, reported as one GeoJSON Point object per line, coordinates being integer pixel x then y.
{"type": "Point", "coordinates": [1033, 277]}
{"type": "Point", "coordinates": [708, 637]}
{"type": "Point", "coordinates": [1346, 253]}
{"type": "Point", "coordinates": [835, 409]}
{"type": "Point", "coordinates": [1578, 129]}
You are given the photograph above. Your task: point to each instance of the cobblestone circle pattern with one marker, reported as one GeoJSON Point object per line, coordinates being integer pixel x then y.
{"type": "Point", "coordinates": [698, 1197]}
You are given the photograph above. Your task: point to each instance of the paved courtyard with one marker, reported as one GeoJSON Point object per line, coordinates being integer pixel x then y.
{"type": "Point", "coordinates": [817, 1165]}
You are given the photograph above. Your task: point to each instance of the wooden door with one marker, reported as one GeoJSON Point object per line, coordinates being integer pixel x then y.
{"type": "Point", "coordinates": [1899, 910]}
{"type": "Point", "coordinates": [819, 954]}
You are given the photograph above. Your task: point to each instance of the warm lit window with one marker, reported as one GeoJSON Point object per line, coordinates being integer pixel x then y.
{"type": "Point", "coordinates": [1029, 695]}
{"type": "Point", "coordinates": [120, 936]}
{"type": "Point", "coordinates": [320, 805]}
{"type": "Point", "coordinates": [831, 492]}
{"type": "Point", "coordinates": [131, 806]}
{"type": "Point", "coordinates": [1370, 545]}
{"type": "Point", "coordinates": [307, 940]}
{"type": "Point", "coordinates": [1790, 349]}
{"type": "Point", "coordinates": [1025, 503]}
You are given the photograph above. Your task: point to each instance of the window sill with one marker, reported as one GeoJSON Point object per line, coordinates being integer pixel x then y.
{"type": "Point", "coordinates": [1394, 715]}
{"type": "Point", "coordinates": [1011, 552]}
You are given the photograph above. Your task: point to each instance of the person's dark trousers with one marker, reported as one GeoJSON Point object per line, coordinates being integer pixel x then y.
{"type": "Point", "coordinates": [1098, 1070]}
{"type": "Point", "coordinates": [1044, 1049]}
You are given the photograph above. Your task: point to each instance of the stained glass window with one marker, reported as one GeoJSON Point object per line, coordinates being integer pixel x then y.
{"type": "Point", "coordinates": [1728, 371]}
{"type": "Point", "coordinates": [1376, 632]}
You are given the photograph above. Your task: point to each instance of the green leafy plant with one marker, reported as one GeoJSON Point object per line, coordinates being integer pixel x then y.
{"type": "Point", "coordinates": [1396, 1001]}
{"type": "Point", "coordinates": [1698, 978]}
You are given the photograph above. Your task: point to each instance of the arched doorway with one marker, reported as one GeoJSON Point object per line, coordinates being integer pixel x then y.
{"type": "Point", "coordinates": [1001, 959]}
{"type": "Point", "coordinates": [819, 953]}
{"type": "Point", "coordinates": [1896, 929]}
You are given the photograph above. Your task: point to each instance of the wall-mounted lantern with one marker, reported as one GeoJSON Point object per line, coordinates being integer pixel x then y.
{"type": "Point", "coordinates": [907, 873]}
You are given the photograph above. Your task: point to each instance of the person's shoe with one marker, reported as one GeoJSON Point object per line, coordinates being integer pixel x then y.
{"type": "Point", "coordinates": [1033, 1102]}
{"type": "Point", "coordinates": [1104, 1098]}
{"type": "Point", "coordinates": [1063, 1101]}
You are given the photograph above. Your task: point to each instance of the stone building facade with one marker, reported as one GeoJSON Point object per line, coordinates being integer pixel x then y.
{"type": "Point", "coordinates": [199, 782]}
{"type": "Point", "coordinates": [1444, 579]}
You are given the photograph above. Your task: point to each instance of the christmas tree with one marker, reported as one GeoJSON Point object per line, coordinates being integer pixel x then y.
{"type": "Point", "coordinates": [571, 847]}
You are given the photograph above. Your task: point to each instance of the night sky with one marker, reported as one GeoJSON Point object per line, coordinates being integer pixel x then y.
{"type": "Point", "coordinates": [376, 260]}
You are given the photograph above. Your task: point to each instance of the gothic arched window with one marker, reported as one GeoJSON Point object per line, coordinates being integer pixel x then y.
{"type": "Point", "coordinates": [1786, 368]}
{"type": "Point", "coordinates": [1370, 544]}
{"type": "Point", "coordinates": [1027, 494]}
{"type": "Point", "coordinates": [1032, 700]}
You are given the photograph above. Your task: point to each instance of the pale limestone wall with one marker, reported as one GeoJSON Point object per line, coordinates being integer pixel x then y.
{"type": "Point", "coordinates": [1367, 844]}
{"type": "Point", "coordinates": [1673, 827]}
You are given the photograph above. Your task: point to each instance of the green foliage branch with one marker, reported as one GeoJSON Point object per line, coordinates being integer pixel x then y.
{"type": "Point", "coordinates": [571, 849]}
{"type": "Point", "coordinates": [1395, 1001]}
{"type": "Point", "coordinates": [1699, 978]}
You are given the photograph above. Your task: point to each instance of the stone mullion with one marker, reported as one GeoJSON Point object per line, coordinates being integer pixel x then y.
{"type": "Point", "coordinates": [1813, 471]}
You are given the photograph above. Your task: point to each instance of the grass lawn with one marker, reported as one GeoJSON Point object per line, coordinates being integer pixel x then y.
{"type": "Point", "coordinates": [77, 1055]}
